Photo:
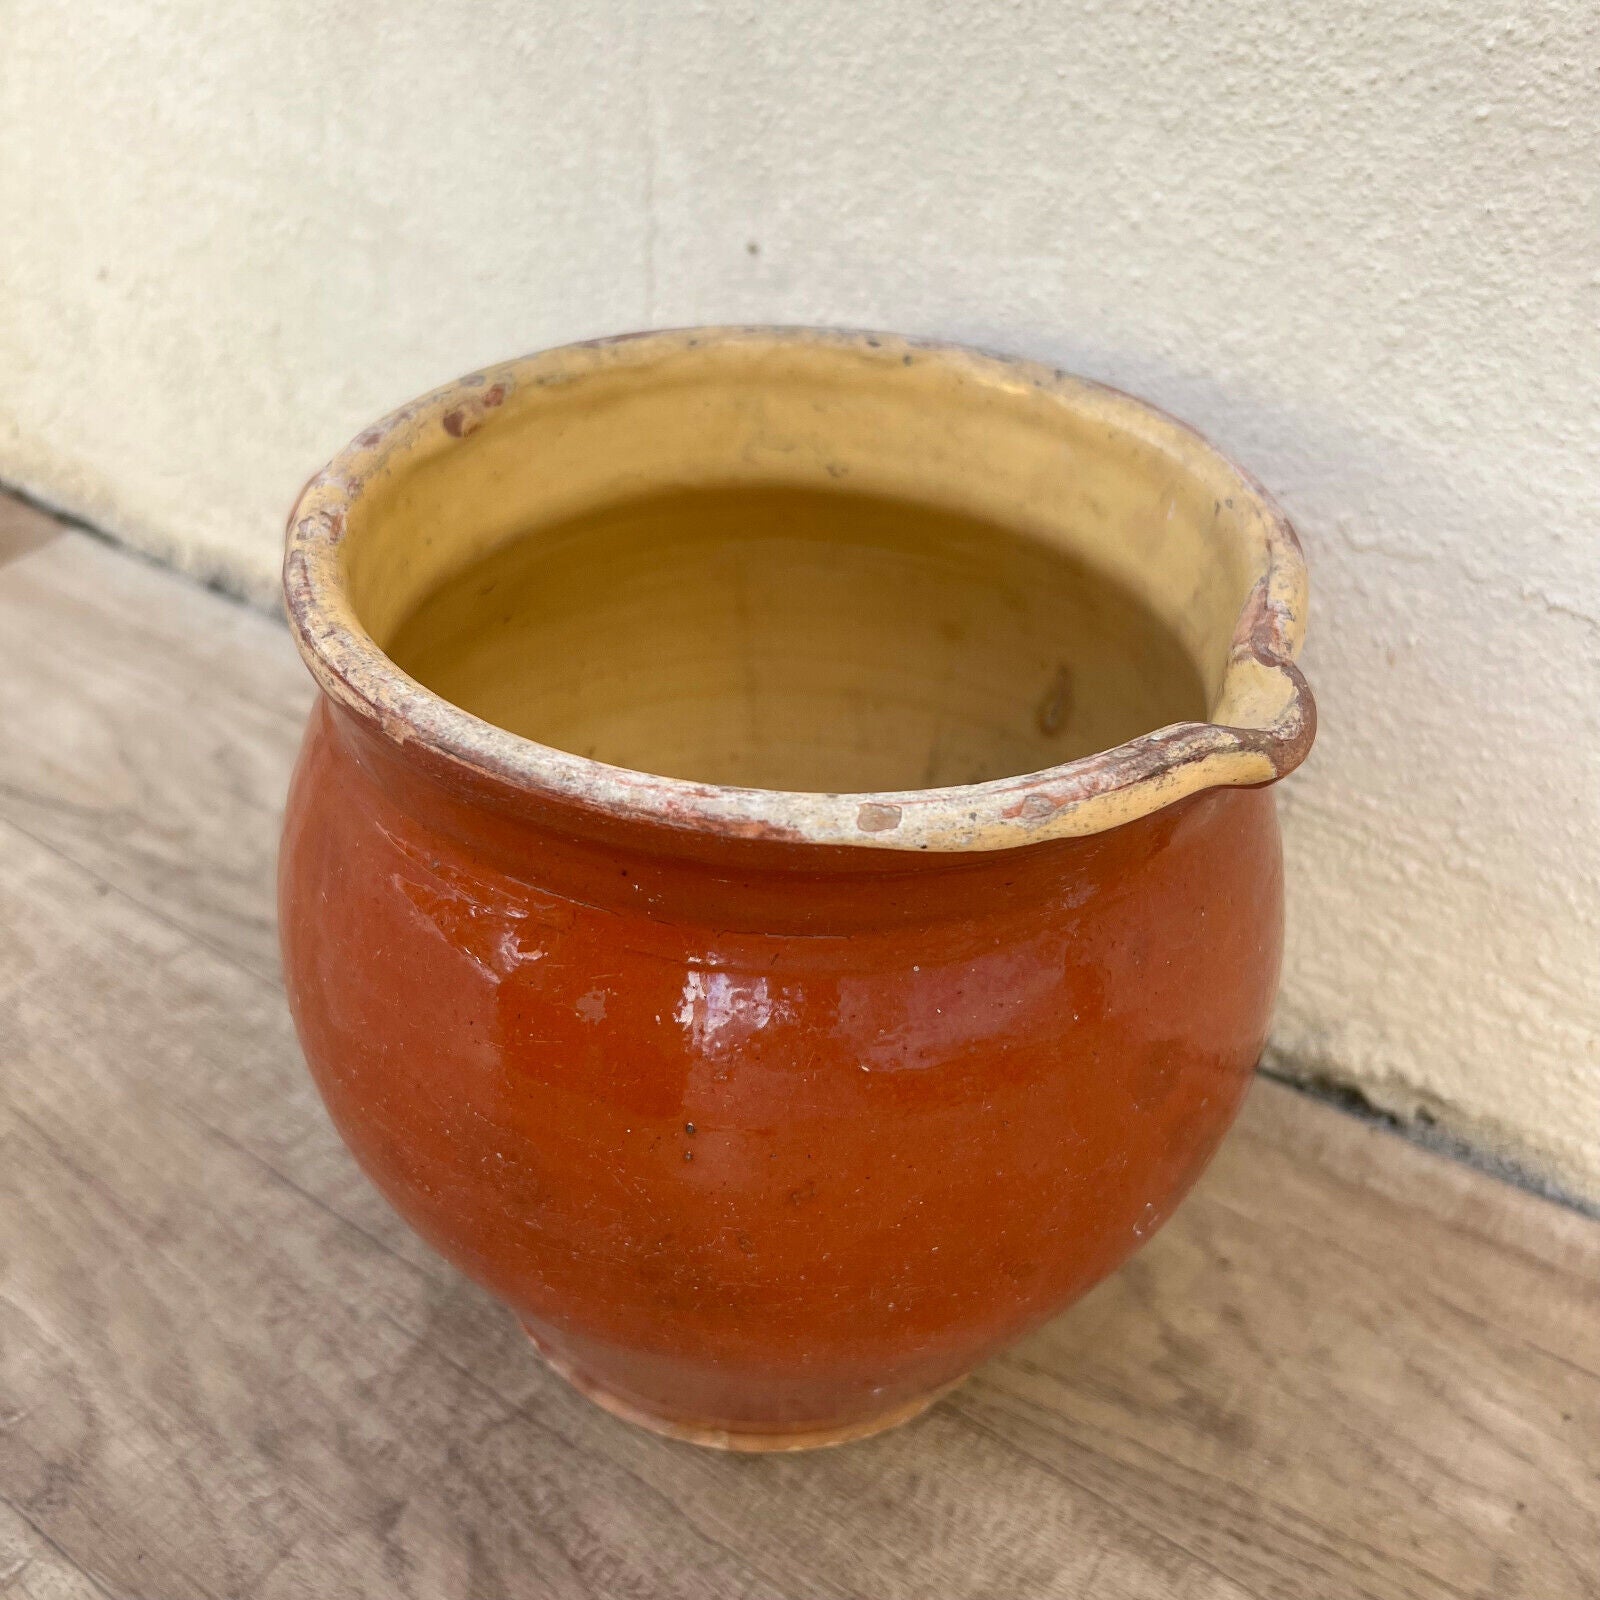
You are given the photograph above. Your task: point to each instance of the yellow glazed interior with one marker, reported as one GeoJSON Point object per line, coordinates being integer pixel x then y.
{"type": "Point", "coordinates": [806, 639]}
{"type": "Point", "coordinates": [831, 587]}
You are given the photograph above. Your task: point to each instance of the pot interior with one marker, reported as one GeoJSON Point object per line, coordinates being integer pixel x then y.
{"type": "Point", "coordinates": [799, 638]}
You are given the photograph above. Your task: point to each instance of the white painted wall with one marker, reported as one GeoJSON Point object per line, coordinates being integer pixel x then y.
{"type": "Point", "coordinates": [1357, 243]}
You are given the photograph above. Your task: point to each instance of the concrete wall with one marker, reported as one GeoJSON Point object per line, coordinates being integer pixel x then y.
{"type": "Point", "coordinates": [1358, 244]}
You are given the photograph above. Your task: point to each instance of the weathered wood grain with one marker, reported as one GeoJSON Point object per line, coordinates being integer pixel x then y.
{"type": "Point", "coordinates": [146, 731]}
{"type": "Point", "coordinates": [1348, 1367]}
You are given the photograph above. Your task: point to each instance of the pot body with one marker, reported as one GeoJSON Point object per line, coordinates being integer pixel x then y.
{"type": "Point", "coordinates": [767, 1143]}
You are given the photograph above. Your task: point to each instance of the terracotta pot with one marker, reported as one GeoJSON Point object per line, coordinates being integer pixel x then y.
{"type": "Point", "coordinates": [776, 1092]}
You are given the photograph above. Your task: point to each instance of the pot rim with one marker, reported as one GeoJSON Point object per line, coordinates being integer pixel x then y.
{"type": "Point", "coordinates": [1270, 714]}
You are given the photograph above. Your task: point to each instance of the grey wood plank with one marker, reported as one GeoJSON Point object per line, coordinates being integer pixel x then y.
{"type": "Point", "coordinates": [146, 731]}
{"type": "Point", "coordinates": [32, 1568]}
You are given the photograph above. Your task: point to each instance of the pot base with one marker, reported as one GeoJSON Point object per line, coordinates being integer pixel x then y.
{"type": "Point", "coordinates": [752, 1441]}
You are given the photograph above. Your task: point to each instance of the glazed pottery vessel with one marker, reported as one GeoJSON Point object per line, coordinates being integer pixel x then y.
{"type": "Point", "coordinates": [781, 884]}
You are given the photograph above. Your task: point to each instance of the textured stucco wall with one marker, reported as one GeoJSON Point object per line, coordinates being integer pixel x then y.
{"type": "Point", "coordinates": [1358, 244]}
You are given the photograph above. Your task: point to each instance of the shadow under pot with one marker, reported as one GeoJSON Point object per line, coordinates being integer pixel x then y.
{"type": "Point", "coordinates": [781, 884]}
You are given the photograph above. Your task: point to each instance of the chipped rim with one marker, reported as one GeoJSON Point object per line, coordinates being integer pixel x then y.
{"type": "Point", "coordinates": [1272, 715]}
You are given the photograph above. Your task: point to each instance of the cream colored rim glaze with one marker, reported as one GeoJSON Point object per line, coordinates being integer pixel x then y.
{"type": "Point", "coordinates": [1262, 714]}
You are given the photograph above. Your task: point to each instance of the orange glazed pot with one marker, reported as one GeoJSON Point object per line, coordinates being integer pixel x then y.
{"type": "Point", "coordinates": [781, 884]}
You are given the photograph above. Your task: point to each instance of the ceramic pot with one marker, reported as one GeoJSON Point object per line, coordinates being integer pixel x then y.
{"type": "Point", "coordinates": [781, 884]}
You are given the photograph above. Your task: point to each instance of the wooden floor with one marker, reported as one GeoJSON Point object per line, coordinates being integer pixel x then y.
{"type": "Point", "coordinates": [1347, 1368]}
